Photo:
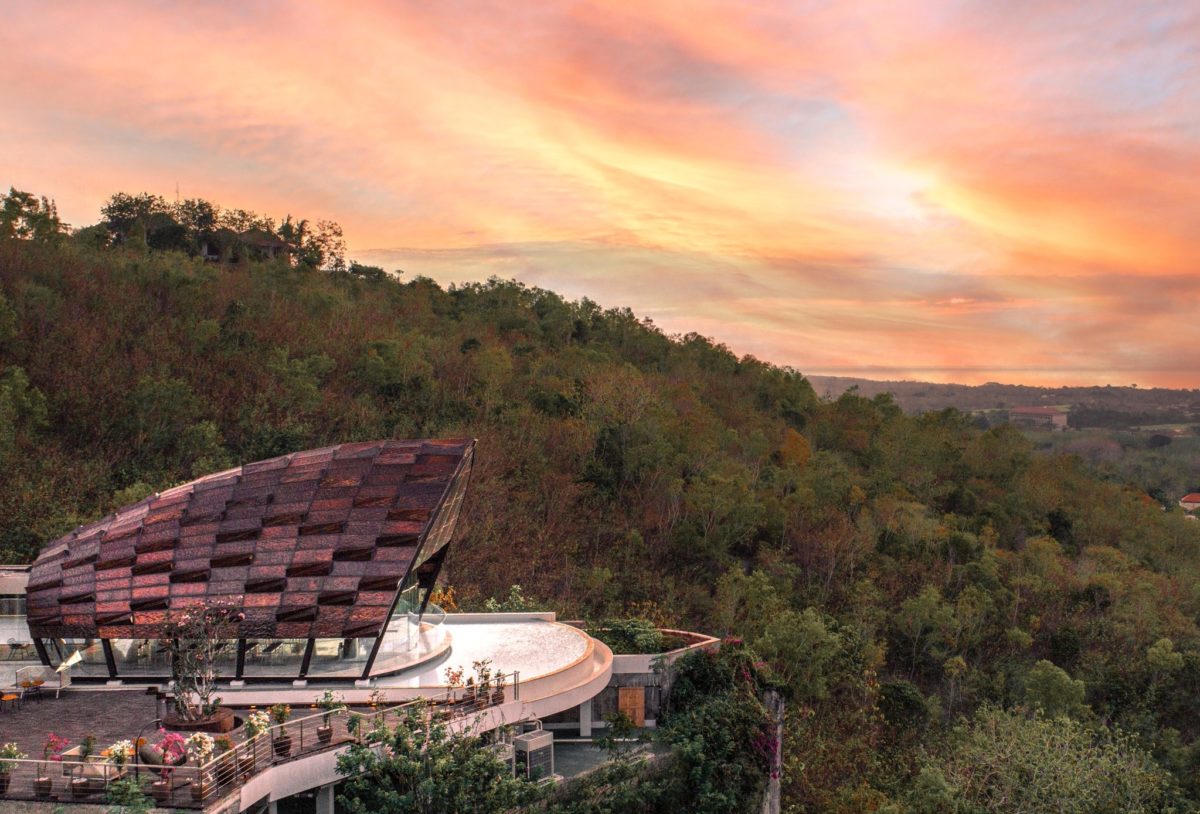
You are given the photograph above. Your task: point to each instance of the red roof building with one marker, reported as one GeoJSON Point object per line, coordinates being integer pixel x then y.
{"type": "Point", "coordinates": [330, 545]}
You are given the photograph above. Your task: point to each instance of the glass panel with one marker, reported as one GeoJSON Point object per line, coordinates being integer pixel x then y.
{"type": "Point", "coordinates": [91, 650]}
{"type": "Point", "coordinates": [344, 657]}
{"type": "Point", "coordinates": [141, 657]}
{"type": "Point", "coordinates": [404, 626]}
{"type": "Point", "coordinates": [152, 657]}
{"type": "Point", "coordinates": [14, 628]}
{"type": "Point", "coordinates": [274, 657]}
{"type": "Point", "coordinates": [11, 605]}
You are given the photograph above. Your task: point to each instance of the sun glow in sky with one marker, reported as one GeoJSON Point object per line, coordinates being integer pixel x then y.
{"type": "Point", "coordinates": [950, 190]}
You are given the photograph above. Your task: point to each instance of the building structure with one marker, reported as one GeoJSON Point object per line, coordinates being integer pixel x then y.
{"type": "Point", "coordinates": [329, 557]}
{"type": "Point", "coordinates": [1190, 502]}
{"type": "Point", "coordinates": [1043, 418]}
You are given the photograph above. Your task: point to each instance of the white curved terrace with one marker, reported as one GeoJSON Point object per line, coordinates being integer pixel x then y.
{"type": "Point", "coordinates": [560, 667]}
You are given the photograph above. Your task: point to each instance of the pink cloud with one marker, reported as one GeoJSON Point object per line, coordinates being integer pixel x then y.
{"type": "Point", "coordinates": [947, 187]}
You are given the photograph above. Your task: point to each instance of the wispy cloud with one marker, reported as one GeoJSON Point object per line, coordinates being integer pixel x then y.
{"type": "Point", "coordinates": [955, 189]}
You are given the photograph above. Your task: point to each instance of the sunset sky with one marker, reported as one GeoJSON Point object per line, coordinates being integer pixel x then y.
{"type": "Point", "coordinates": [952, 191]}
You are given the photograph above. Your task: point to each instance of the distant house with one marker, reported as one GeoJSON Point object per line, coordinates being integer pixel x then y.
{"type": "Point", "coordinates": [1041, 418]}
{"type": "Point", "coordinates": [227, 246]}
{"type": "Point", "coordinates": [1190, 502]}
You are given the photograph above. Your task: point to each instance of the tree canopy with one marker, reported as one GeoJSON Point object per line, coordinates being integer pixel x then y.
{"type": "Point", "coordinates": [894, 573]}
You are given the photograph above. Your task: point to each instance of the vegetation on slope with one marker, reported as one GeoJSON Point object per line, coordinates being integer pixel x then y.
{"type": "Point", "coordinates": [895, 573]}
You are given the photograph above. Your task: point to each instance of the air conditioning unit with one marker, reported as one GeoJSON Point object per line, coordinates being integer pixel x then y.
{"type": "Point", "coordinates": [535, 754]}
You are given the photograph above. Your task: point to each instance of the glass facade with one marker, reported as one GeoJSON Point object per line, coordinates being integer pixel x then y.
{"type": "Point", "coordinates": [91, 651]}
{"type": "Point", "coordinates": [274, 657]}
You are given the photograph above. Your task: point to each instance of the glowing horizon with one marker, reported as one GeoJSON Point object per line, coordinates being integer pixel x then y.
{"type": "Point", "coordinates": [948, 191]}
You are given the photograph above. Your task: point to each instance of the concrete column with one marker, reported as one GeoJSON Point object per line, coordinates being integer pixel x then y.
{"type": "Point", "coordinates": [585, 719]}
{"type": "Point", "coordinates": [773, 799]}
{"type": "Point", "coordinates": [325, 800]}
{"type": "Point", "coordinates": [273, 808]}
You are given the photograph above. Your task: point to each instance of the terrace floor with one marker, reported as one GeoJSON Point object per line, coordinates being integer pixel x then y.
{"type": "Point", "coordinates": [109, 715]}
{"type": "Point", "coordinates": [535, 647]}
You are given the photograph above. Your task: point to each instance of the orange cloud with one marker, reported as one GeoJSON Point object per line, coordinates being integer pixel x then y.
{"type": "Point", "coordinates": [953, 190]}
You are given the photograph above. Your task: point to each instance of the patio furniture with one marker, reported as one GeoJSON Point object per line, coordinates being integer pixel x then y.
{"type": "Point", "coordinates": [17, 650]}
{"type": "Point", "coordinates": [10, 699]}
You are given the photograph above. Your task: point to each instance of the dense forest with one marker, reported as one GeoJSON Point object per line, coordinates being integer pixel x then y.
{"type": "Point", "coordinates": [1111, 407]}
{"type": "Point", "coordinates": [960, 623]}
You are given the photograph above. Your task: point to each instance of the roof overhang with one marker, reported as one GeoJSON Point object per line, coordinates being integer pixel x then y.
{"type": "Point", "coordinates": [313, 544]}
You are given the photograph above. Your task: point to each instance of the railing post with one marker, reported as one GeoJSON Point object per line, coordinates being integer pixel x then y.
{"type": "Point", "coordinates": [516, 685]}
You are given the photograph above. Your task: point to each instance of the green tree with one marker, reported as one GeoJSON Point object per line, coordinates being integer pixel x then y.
{"type": "Point", "coordinates": [420, 767]}
{"type": "Point", "coordinates": [1050, 689]}
{"type": "Point", "coordinates": [1005, 762]}
{"type": "Point", "coordinates": [27, 217]}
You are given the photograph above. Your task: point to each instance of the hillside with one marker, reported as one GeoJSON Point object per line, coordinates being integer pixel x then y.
{"type": "Point", "coordinates": [1108, 406]}
{"type": "Point", "coordinates": [893, 572]}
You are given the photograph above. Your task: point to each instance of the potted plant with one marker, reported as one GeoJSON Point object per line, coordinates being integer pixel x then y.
{"type": "Point", "coordinates": [169, 752]}
{"type": "Point", "coordinates": [8, 753]}
{"type": "Point", "coordinates": [200, 746]}
{"type": "Point", "coordinates": [161, 788]}
{"type": "Point", "coordinates": [119, 755]}
{"type": "Point", "coordinates": [257, 723]}
{"type": "Point", "coordinates": [330, 703]}
{"type": "Point", "coordinates": [226, 759]}
{"type": "Point", "coordinates": [483, 681]}
{"type": "Point", "coordinates": [81, 781]}
{"type": "Point", "coordinates": [282, 742]}
{"type": "Point", "coordinates": [454, 680]}
{"type": "Point", "coordinates": [501, 680]}
{"type": "Point", "coordinates": [52, 750]}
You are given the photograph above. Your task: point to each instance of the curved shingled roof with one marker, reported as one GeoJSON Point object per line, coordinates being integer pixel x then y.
{"type": "Point", "coordinates": [310, 545]}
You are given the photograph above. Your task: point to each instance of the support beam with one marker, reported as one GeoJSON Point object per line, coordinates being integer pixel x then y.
{"type": "Point", "coordinates": [307, 660]}
{"type": "Point", "coordinates": [325, 800]}
{"type": "Point", "coordinates": [585, 719]}
{"type": "Point", "coordinates": [40, 647]}
{"type": "Point", "coordinates": [109, 658]}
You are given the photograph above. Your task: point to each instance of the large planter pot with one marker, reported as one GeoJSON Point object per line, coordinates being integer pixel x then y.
{"type": "Point", "coordinates": [81, 787]}
{"type": "Point", "coordinates": [282, 744]}
{"type": "Point", "coordinates": [226, 769]}
{"type": "Point", "coordinates": [245, 764]}
{"type": "Point", "coordinates": [160, 790]}
{"type": "Point", "coordinates": [218, 723]}
{"type": "Point", "coordinates": [325, 733]}
{"type": "Point", "coordinates": [5, 779]}
{"type": "Point", "coordinates": [201, 788]}
{"type": "Point", "coordinates": [41, 787]}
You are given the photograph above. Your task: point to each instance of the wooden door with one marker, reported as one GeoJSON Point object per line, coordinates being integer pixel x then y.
{"type": "Point", "coordinates": [632, 702]}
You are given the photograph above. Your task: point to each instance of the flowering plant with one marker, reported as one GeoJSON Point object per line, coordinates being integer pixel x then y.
{"type": "Point", "coordinates": [10, 751]}
{"type": "Point", "coordinates": [201, 745]}
{"type": "Point", "coordinates": [53, 748]}
{"type": "Point", "coordinates": [257, 723]}
{"type": "Point", "coordinates": [120, 752]}
{"type": "Point", "coordinates": [280, 713]}
{"type": "Point", "coordinates": [331, 702]}
{"type": "Point", "coordinates": [454, 676]}
{"type": "Point", "coordinates": [171, 749]}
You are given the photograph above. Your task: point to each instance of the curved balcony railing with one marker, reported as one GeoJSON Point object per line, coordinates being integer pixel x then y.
{"type": "Point", "coordinates": [195, 786]}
